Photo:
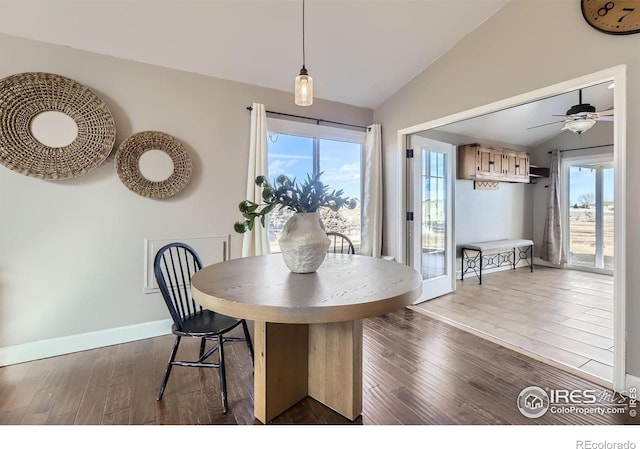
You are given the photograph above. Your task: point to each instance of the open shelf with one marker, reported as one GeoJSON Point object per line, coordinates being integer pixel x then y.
{"type": "Point", "coordinates": [538, 172]}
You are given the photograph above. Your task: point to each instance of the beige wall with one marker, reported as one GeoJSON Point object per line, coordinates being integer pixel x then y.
{"type": "Point", "coordinates": [71, 252]}
{"type": "Point", "coordinates": [525, 46]}
{"type": "Point", "coordinates": [483, 215]}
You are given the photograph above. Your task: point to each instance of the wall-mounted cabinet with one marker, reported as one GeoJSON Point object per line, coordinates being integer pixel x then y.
{"type": "Point", "coordinates": [483, 163]}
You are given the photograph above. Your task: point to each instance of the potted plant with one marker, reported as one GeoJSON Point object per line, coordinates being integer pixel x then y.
{"type": "Point", "coordinates": [303, 240]}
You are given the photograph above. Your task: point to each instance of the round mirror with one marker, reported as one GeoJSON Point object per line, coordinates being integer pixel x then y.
{"type": "Point", "coordinates": [54, 129]}
{"type": "Point", "coordinates": [155, 165]}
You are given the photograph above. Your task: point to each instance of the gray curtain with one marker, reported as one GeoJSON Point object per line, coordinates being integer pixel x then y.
{"type": "Point", "coordinates": [552, 248]}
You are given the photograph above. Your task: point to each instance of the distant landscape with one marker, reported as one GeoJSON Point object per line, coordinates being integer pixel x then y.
{"type": "Point", "coordinates": [582, 229]}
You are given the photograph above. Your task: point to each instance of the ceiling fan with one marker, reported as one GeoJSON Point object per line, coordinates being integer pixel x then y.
{"type": "Point", "coordinates": [581, 117]}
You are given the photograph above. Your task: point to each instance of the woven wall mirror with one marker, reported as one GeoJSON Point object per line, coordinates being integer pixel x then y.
{"type": "Point", "coordinates": [153, 164]}
{"type": "Point", "coordinates": [52, 127]}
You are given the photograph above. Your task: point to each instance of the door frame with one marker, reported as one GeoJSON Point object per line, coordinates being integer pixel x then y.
{"type": "Point", "coordinates": [616, 74]}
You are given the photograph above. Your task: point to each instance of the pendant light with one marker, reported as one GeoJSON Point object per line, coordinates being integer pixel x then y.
{"type": "Point", "coordinates": [304, 83]}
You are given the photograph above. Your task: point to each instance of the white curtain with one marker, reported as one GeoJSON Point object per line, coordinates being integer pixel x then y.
{"type": "Point", "coordinates": [256, 241]}
{"type": "Point", "coordinates": [372, 194]}
{"type": "Point", "coordinates": [552, 247]}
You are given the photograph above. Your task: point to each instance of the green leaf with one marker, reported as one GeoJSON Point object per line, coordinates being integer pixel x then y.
{"type": "Point", "coordinates": [267, 194]}
{"type": "Point", "coordinates": [239, 227]}
{"type": "Point", "coordinates": [282, 180]}
{"type": "Point", "coordinates": [308, 196]}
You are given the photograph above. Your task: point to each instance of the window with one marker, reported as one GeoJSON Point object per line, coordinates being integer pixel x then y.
{"type": "Point", "coordinates": [590, 208]}
{"type": "Point", "coordinates": [434, 225]}
{"type": "Point", "coordinates": [297, 149]}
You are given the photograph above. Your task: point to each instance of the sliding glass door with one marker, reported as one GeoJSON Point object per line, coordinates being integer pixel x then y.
{"type": "Point", "coordinates": [590, 214]}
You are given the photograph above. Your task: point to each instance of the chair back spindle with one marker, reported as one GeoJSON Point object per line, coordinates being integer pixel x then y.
{"type": "Point", "coordinates": [340, 244]}
{"type": "Point", "coordinates": [174, 265]}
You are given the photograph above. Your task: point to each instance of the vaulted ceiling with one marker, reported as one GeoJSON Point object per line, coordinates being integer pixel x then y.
{"type": "Point", "coordinates": [531, 124]}
{"type": "Point", "coordinates": [359, 52]}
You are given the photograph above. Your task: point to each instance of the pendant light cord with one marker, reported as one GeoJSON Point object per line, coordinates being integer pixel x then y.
{"type": "Point", "coordinates": [303, 52]}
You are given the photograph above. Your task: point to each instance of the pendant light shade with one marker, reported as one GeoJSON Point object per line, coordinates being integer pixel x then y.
{"type": "Point", "coordinates": [304, 88]}
{"type": "Point", "coordinates": [304, 83]}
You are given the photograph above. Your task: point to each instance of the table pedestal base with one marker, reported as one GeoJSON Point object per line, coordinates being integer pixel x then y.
{"type": "Point", "coordinates": [293, 361]}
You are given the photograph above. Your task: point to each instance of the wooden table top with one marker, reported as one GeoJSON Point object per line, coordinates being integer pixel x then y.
{"type": "Point", "coordinates": [345, 287]}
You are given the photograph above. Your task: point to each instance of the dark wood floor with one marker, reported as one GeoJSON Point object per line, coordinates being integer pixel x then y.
{"type": "Point", "coordinates": [417, 370]}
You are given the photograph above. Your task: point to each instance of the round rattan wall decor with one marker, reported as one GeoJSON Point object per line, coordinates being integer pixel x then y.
{"type": "Point", "coordinates": [128, 164]}
{"type": "Point", "coordinates": [24, 96]}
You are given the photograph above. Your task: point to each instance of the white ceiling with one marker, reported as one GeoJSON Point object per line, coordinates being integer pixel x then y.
{"type": "Point", "coordinates": [359, 52]}
{"type": "Point", "coordinates": [512, 125]}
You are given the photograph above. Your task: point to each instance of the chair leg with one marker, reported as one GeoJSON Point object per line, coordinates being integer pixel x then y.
{"type": "Point", "coordinates": [247, 337]}
{"type": "Point", "coordinates": [167, 371]}
{"type": "Point", "coordinates": [202, 343]}
{"type": "Point", "coordinates": [223, 375]}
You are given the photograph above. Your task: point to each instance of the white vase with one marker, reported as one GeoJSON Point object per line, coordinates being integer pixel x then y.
{"type": "Point", "coordinates": [304, 242]}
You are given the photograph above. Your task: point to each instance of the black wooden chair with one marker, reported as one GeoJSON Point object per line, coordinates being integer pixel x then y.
{"type": "Point", "coordinates": [174, 265]}
{"type": "Point", "coordinates": [340, 244]}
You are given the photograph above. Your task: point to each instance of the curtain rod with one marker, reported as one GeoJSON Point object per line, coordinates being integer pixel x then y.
{"type": "Point", "coordinates": [584, 148]}
{"type": "Point", "coordinates": [317, 120]}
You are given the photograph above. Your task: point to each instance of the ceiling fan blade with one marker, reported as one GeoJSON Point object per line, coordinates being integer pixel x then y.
{"type": "Point", "coordinates": [608, 112]}
{"type": "Point", "coordinates": [605, 118]}
{"type": "Point", "coordinates": [552, 123]}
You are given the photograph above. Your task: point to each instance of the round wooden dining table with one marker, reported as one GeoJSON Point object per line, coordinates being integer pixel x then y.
{"type": "Point", "coordinates": [307, 327]}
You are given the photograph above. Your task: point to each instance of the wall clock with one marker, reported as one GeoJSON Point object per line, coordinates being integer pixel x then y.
{"type": "Point", "coordinates": [612, 17]}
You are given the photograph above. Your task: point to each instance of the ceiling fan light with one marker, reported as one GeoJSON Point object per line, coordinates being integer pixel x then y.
{"type": "Point", "coordinates": [581, 125]}
{"type": "Point", "coordinates": [304, 88]}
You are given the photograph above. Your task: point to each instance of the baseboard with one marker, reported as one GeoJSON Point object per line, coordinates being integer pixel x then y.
{"type": "Point", "coordinates": [544, 263]}
{"type": "Point", "coordinates": [632, 382]}
{"type": "Point", "coordinates": [11, 355]}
